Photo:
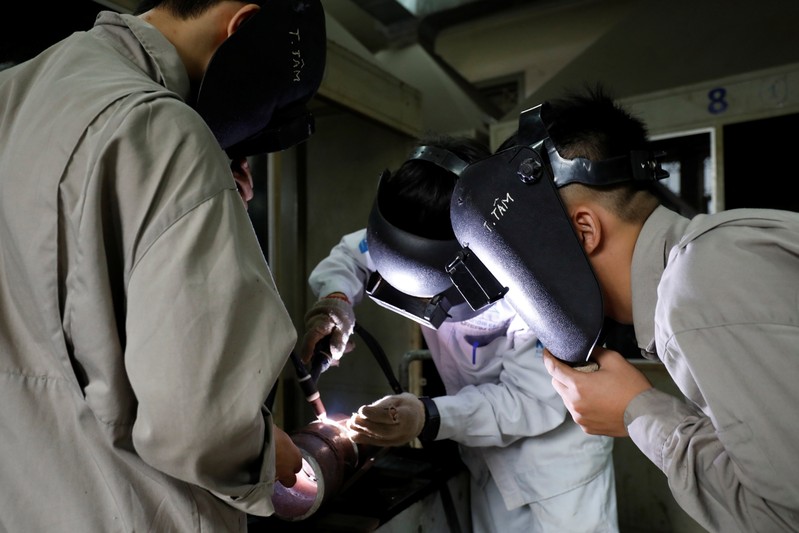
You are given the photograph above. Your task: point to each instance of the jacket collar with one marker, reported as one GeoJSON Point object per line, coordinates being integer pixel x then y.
{"type": "Point", "coordinates": [661, 231]}
{"type": "Point", "coordinates": [147, 48]}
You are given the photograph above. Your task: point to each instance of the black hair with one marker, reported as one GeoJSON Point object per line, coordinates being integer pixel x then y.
{"type": "Point", "coordinates": [418, 194]}
{"type": "Point", "coordinates": [182, 8]}
{"type": "Point", "coordinates": [590, 124]}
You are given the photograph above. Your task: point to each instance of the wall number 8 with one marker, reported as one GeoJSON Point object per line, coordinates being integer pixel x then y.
{"type": "Point", "coordinates": [717, 104]}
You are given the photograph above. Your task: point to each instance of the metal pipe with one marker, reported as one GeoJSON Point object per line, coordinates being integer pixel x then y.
{"type": "Point", "coordinates": [329, 459]}
{"type": "Point", "coordinates": [405, 363]}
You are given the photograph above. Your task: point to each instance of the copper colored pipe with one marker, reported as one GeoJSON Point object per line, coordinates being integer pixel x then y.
{"type": "Point", "coordinates": [329, 459]}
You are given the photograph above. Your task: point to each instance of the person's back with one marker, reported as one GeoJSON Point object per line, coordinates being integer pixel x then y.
{"type": "Point", "coordinates": [530, 465]}
{"type": "Point", "coordinates": [127, 397]}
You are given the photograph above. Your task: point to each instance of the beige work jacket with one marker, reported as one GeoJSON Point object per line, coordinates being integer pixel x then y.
{"type": "Point", "coordinates": [140, 328]}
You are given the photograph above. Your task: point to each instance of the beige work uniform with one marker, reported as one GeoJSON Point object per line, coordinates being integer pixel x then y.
{"type": "Point", "coordinates": [716, 299]}
{"type": "Point", "coordinates": [140, 328]}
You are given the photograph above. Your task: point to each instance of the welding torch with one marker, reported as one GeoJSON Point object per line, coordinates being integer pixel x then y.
{"type": "Point", "coordinates": [308, 386]}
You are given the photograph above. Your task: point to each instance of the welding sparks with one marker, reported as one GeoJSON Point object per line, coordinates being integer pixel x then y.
{"type": "Point", "coordinates": [339, 425]}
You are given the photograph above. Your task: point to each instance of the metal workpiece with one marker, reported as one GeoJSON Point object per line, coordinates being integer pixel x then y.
{"type": "Point", "coordinates": [330, 458]}
{"type": "Point", "coordinates": [361, 484]}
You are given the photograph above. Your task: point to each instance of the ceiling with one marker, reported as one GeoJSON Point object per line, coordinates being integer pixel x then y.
{"type": "Point", "coordinates": [507, 54]}
{"type": "Point", "coordinates": [386, 26]}
{"type": "Point", "coordinates": [381, 24]}
{"type": "Point", "coordinates": [636, 47]}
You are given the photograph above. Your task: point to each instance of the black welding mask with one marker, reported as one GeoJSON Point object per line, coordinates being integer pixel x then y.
{"type": "Point", "coordinates": [411, 275]}
{"type": "Point", "coordinates": [255, 90]}
{"type": "Point", "coordinates": [508, 215]}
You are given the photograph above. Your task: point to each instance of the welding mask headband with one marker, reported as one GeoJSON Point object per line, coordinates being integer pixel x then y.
{"type": "Point", "coordinates": [254, 92]}
{"type": "Point", "coordinates": [640, 167]}
{"type": "Point", "coordinates": [429, 312]}
{"type": "Point", "coordinates": [411, 277]}
{"type": "Point", "coordinates": [412, 263]}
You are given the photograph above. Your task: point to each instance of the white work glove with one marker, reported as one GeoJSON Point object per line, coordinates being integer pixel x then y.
{"type": "Point", "coordinates": [390, 421]}
{"type": "Point", "coordinates": [330, 316]}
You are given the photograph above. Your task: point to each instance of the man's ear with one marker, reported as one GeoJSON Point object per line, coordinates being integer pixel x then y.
{"type": "Point", "coordinates": [588, 225]}
{"type": "Point", "coordinates": [241, 15]}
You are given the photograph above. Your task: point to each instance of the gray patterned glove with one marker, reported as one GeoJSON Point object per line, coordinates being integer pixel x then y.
{"type": "Point", "coordinates": [330, 316]}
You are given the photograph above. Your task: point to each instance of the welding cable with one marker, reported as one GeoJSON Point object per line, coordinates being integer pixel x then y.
{"type": "Point", "coordinates": [320, 357]}
{"type": "Point", "coordinates": [380, 356]}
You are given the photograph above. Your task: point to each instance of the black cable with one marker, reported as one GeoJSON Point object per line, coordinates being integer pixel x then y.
{"type": "Point", "coordinates": [320, 363]}
{"type": "Point", "coordinates": [380, 356]}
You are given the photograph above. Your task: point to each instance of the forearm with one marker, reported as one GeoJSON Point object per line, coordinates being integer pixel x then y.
{"type": "Point", "coordinates": [682, 442]}
{"type": "Point", "coordinates": [492, 415]}
{"type": "Point", "coordinates": [346, 270]}
{"type": "Point", "coordinates": [511, 396]}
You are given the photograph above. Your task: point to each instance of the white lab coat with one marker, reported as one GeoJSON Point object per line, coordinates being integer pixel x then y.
{"type": "Point", "coordinates": [533, 469]}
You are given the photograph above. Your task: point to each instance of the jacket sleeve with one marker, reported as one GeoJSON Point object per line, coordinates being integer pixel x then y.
{"type": "Point", "coordinates": [520, 403]}
{"type": "Point", "coordinates": [207, 337]}
{"type": "Point", "coordinates": [728, 473]}
{"type": "Point", "coordinates": [204, 330]}
{"type": "Point", "coordinates": [346, 269]}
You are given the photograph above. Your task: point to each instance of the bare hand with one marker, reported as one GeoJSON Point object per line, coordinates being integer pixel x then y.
{"type": "Point", "coordinates": [288, 459]}
{"type": "Point", "coordinates": [597, 400]}
{"type": "Point", "coordinates": [243, 177]}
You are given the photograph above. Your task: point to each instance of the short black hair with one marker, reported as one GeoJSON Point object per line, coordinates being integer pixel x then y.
{"type": "Point", "coordinates": [589, 123]}
{"type": "Point", "coordinates": [182, 8]}
{"type": "Point", "coordinates": [592, 125]}
{"type": "Point", "coordinates": [418, 194]}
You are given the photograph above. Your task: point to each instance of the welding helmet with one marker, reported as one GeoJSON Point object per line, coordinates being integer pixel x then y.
{"type": "Point", "coordinates": [411, 275]}
{"type": "Point", "coordinates": [256, 87]}
{"type": "Point", "coordinates": [507, 213]}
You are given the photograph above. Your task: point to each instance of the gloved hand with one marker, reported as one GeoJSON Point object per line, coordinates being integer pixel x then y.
{"type": "Point", "coordinates": [333, 316]}
{"type": "Point", "coordinates": [390, 421]}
